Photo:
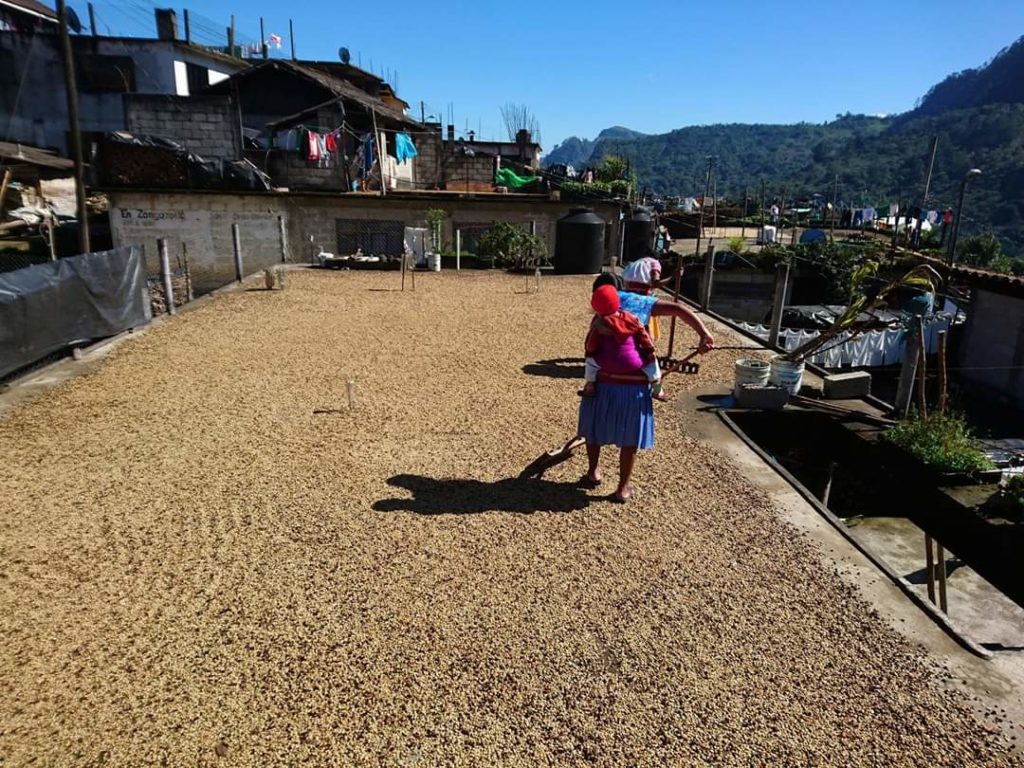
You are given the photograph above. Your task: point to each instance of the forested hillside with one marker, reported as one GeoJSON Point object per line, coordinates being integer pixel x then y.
{"type": "Point", "coordinates": [978, 116]}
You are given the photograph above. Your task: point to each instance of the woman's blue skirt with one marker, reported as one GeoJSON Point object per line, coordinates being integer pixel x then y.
{"type": "Point", "coordinates": [620, 415]}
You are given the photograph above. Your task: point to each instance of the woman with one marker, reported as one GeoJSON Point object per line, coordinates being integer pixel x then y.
{"type": "Point", "coordinates": [622, 413]}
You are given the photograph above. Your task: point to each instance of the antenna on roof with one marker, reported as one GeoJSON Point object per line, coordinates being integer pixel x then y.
{"type": "Point", "coordinates": [344, 55]}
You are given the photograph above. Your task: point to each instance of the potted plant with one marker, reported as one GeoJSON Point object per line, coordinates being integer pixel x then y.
{"type": "Point", "coordinates": [507, 245]}
{"type": "Point", "coordinates": [787, 369]}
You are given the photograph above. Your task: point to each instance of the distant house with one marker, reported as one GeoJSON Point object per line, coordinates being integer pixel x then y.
{"type": "Point", "coordinates": [284, 103]}
{"type": "Point", "coordinates": [106, 69]}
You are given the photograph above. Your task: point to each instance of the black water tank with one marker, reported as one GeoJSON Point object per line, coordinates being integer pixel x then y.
{"type": "Point", "coordinates": [639, 234]}
{"type": "Point", "coordinates": [579, 243]}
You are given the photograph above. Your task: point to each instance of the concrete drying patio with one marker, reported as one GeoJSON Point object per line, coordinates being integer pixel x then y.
{"type": "Point", "coordinates": [197, 568]}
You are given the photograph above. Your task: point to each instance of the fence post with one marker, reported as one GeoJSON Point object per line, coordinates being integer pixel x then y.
{"type": "Point", "coordinates": [283, 236]}
{"type": "Point", "coordinates": [236, 240]}
{"type": "Point", "coordinates": [781, 283]}
{"type": "Point", "coordinates": [905, 389]}
{"type": "Point", "coordinates": [709, 277]}
{"type": "Point", "coordinates": [165, 275]}
{"type": "Point", "coordinates": [458, 249]}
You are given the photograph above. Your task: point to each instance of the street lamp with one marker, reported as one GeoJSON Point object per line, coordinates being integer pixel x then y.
{"type": "Point", "coordinates": [971, 174]}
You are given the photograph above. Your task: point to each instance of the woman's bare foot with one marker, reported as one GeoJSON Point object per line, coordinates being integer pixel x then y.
{"type": "Point", "coordinates": [622, 495]}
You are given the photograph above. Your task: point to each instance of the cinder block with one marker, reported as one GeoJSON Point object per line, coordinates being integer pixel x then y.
{"type": "Point", "coordinates": [765, 397]}
{"type": "Point", "coordinates": [846, 386]}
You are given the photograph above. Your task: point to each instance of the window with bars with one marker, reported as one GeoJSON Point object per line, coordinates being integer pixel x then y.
{"type": "Point", "coordinates": [375, 237]}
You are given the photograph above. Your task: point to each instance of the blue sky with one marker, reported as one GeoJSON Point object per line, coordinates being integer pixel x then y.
{"type": "Point", "coordinates": [650, 66]}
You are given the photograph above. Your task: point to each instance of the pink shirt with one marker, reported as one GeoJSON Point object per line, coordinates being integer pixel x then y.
{"type": "Point", "coordinates": [614, 357]}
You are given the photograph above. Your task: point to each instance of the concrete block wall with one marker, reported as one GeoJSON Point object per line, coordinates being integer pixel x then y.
{"type": "Point", "coordinates": [206, 125]}
{"type": "Point", "coordinates": [202, 220]}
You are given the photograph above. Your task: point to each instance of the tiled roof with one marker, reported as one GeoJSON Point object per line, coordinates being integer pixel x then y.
{"type": "Point", "coordinates": [983, 278]}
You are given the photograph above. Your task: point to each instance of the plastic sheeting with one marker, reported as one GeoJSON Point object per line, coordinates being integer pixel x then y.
{"type": "Point", "coordinates": [506, 177]}
{"type": "Point", "coordinates": [47, 307]}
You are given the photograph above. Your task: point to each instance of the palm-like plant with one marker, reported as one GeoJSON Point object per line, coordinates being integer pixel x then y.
{"type": "Point", "coordinates": [922, 276]}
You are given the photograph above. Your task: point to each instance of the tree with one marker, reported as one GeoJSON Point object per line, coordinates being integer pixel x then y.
{"type": "Point", "coordinates": [612, 168]}
{"type": "Point", "coordinates": [518, 117]}
{"type": "Point", "coordinates": [979, 250]}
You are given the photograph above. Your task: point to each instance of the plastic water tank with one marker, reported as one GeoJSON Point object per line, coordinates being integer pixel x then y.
{"type": "Point", "coordinates": [639, 234]}
{"type": "Point", "coordinates": [579, 243]}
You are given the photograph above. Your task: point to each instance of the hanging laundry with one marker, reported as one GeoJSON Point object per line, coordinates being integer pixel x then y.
{"type": "Point", "coordinates": [331, 141]}
{"type": "Point", "coordinates": [404, 148]}
{"type": "Point", "coordinates": [313, 149]}
{"type": "Point", "coordinates": [325, 158]}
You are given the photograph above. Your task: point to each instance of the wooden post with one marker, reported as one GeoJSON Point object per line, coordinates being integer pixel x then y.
{"type": "Point", "coordinates": [188, 272]}
{"type": "Point", "coordinates": [696, 252]}
{"type": "Point", "coordinates": [922, 403]}
{"type": "Point", "coordinates": [165, 275]}
{"type": "Point", "coordinates": [929, 567]}
{"type": "Point", "coordinates": [905, 389]}
{"type": "Point", "coordinates": [282, 239]}
{"type": "Point", "coordinates": [380, 153]}
{"type": "Point", "coordinates": [781, 283]}
{"type": "Point", "coordinates": [236, 241]}
{"type": "Point", "coordinates": [3, 187]}
{"type": "Point", "coordinates": [458, 250]}
{"type": "Point", "coordinates": [51, 229]}
{"type": "Point", "coordinates": [743, 229]}
{"type": "Point", "coordinates": [942, 372]}
{"type": "Point", "coordinates": [291, 39]}
{"type": "Point", "coordinates": [405, 264]}
{"type": "Point", "coordinates": [76, 137]}
{"type": "Point", "coordinates": [709, 276]}
{"type": "Point", "coordinates": [940, 565]}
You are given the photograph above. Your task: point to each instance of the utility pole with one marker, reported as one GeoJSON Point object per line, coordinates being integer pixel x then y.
{"type": "Point", "coordinates": [76, 137]}
{"type": "Point", "coordinates": [264, 50]}
{"type": "Point", "coordinates": [291, 37]}
{"type": "Point", "coordinates": [927, 186]}
{"type": "Point", "coordinates": [231, 37]}
{"type": "Point", "coordinates": [835, 203]}
{"type": "Point", "coordinates": [188, 29]}
{"type": "Point", "coordinates": [762, 211]}
{"type": "Point", "coordinates": [423, 113]}
{"type": "Point", "coordinates": [92, 19]}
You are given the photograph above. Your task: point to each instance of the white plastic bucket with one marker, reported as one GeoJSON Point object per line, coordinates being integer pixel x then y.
{"type": "Point", "coordinates": [750, 372]}
{"type": "Point", "coordinates": [434, 262]}
{"type": "Point", "coordinates": [787, 374]}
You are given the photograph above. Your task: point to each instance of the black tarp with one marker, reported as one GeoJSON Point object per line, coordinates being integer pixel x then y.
{"type": "Point", "coordinates": [47, 307]}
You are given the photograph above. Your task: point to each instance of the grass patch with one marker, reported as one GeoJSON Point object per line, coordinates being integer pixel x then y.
{"type": "Point", "coordinates": [942, 441]}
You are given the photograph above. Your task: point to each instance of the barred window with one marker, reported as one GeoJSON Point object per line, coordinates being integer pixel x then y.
{"type": "Point", "coordinates": [376, 237]}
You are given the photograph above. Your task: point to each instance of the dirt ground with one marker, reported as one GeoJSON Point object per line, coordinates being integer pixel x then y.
{"type": "Point", "coordinates": [196, 568]}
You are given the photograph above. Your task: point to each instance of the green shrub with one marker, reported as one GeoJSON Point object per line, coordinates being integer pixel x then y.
{"type": "Point", "coordinates": [942, 441]}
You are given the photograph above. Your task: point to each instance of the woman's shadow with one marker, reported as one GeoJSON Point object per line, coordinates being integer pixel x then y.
{"type": "Point", "coordinates": [434, 496]}
{"type": "Point", "coordinates": [559, 368]}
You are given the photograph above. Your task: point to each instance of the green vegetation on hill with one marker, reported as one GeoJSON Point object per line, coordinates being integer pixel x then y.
{"type": "Point", "coordinates": [978, 116]}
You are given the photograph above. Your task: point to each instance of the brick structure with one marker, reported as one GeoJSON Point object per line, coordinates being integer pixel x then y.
{"type": "Point", "coordinates": [206, 125]}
